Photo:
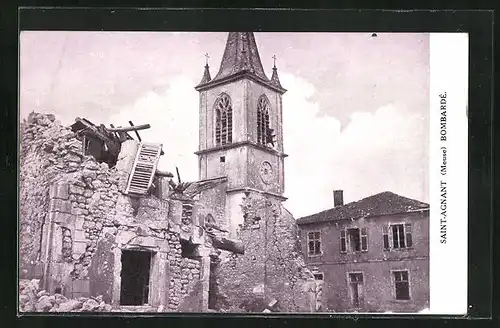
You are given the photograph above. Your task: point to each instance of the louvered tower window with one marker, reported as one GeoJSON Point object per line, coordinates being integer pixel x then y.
{"type": "Point", "coordinates": [263, 107]}
{"type": "Point", "coordinates": [224, 120]}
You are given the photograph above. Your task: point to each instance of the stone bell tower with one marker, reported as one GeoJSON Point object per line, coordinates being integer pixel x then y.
{"type": "Point", "coordinates": [240, 126]}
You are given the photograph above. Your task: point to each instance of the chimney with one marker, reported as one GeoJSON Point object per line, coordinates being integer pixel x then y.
{"type": "Point", "coordinates": [338, 198]}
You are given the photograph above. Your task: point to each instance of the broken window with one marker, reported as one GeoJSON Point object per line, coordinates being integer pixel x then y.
{"type": "Point", "coordinates": [97, 148]}
{"type": "Point", "coordinates": [356, 288]}
{"type": "Point", "coordinates": [401, 284]}
{"type": "Point", "coordinates": [224, 120]}
{"type": "Point", "coordinates": [314, 243]}
{"type": "Point", "coordinates": [135, 277]}
{"type": "Point", "coordinates": [187, 213]}
{"type": "Point", "coordinates": [354, 240]}
{"type": "Point", "coordinates": [187, 249]}
{"type": "Point", "coordinates": [263, 108]}
{"type": "Point", "coordinates": [401, 236]}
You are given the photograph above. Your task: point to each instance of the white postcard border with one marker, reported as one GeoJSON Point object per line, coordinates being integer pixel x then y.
{"type": "Point", "coordinates": [448, 173]}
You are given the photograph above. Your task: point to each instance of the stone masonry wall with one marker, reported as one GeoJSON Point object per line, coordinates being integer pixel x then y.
{"type": "Point", "coordinates": [74, 217]}
{"type": "Point", "coordinates": [47, 149]}
{"type": "Point", "coordinates": [272, 273]}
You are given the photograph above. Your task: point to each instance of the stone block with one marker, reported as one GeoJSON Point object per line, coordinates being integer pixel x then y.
{"type": "Point", "coordinates": [174, 227]}
{"type": "Point", "coordinates": [259, 289]}
{"type": "Point", "coordinates": [79, 247]}
{"type": "Point", "coordinates": [77, 190]}
{"type": "Point", "coordinates": [162, 245]}
{"type": "Point", "coordinates": [59, 190]}
{"type": "Point", "coordinates": [60, 218]}
{"type": "Point", "coordinates": [81, 286]}
{"type": "Point", "coordinates": [144, 241]}
{"type": "Point", "coordinates": [79, 235]}
{"type": "Point", "coordinates": [79, 220]}
{"type": "Point", "coordinates": [124, 237]}
{"type": "Point", "coordinates": [59, 205]}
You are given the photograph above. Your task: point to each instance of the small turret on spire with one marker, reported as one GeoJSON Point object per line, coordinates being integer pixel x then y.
{"type": "Point", "coordinates": [206, 74]}
{"type": "Point", "coordinates": [274, 78]}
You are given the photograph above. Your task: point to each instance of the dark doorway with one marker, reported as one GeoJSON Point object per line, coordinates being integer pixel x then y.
{"type": "Point", "coordinates": [135, 277]}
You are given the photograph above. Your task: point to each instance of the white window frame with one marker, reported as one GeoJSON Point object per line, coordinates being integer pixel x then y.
{"type": "Point", "coordinates": [320, 243]}
{"type": "Point", "coordinates": [347, 240]}
{"type": "Point", "coordinates": [393, 285]}
{"type": "Point", "coordinates": [391, 237]}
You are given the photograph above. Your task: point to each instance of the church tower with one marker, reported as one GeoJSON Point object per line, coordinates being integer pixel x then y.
{"type": "Point", "coordinates": [240, 126]}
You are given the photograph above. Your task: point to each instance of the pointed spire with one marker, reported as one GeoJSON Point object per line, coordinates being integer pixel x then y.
{"type": "Point", "coordinates": [241, 54]}
{"type": "Point", "coordinates": [206, 74]}
{"type": "Point", "coordinates": [274, 78]}
{"type": "Point", "coordinates": [240, 58]}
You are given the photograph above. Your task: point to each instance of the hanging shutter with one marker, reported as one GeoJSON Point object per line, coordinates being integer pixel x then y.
{"type": "Point", "coordinates": [385, 234]}
{"type": "Point", "coordinates": [343, 246]}
{"type": "Point", "coordinates": [409, 241]}
{"type": "Point", "coordinates": [364, 240]}
{"type": "Point", "coordinates": [144, 169]}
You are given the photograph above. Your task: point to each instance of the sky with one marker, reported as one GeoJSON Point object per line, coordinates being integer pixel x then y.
{"type": "Point", "coordinates": [355, 114]}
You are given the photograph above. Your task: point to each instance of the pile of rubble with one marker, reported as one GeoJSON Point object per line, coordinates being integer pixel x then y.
{"type": "Point", "coordinates": [31, 299]}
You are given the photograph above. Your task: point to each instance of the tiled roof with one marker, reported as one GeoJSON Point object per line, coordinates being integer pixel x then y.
{"type": "Point", "coordinates": [384, 203]}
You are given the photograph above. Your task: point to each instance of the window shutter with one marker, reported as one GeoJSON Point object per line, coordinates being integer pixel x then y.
{"type": "Point", "coordinates": [364, 239]}
{"type": "Point", "coordinates": [409, 241]}
{"type": "Point", "coordinates": [343, 246]}
{"type": "Point", "coordinates": [391, 238]}
{"type": "Point", "coordinates": [385, 236]}
{"type": "Point", "coordinates": [144, 169]}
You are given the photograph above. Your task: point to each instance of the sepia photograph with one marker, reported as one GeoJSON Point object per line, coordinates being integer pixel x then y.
{"type": "Point", "coordinates": [233, 172]}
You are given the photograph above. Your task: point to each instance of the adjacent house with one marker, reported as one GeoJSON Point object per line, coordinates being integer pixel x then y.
{"type": "Point", "coordinates": [371, 255]}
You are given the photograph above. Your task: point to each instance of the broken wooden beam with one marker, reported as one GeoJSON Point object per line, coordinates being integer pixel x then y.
{"type": "Point", "coordinates": [136, 133]}
{"type": "Point", "coordinates": [164, 174]}
{"type": "Point", "coordinates": [228, 245]}
{"type": "Point", "coordinates": [210, 225]}
{"type": "Point", "coordinates": [129, 128]}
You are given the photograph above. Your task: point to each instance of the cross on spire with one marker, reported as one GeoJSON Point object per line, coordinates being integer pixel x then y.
{"type": "Point", "coordinates": [274, 57]}
{"type": "Point", "coordinates": [206, 58]}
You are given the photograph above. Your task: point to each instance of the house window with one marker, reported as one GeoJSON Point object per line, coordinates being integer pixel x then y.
{"type": "Point", "coordinates": [356, 288]}
{"type": "Point", "coordinates": [224, 120]}
{"type": "Point", "coordinates": [262, 120]}
{"type": "Point", "coordinates": [354, 240]}
{"type": "Point", "coordinates": [318, 276]}
{"type": "Point", "coordinates": [314, 243]}
{"type": "Point", "coordinates": [401, 236]}
{"type": "Point", "coordinates": [401, 284]}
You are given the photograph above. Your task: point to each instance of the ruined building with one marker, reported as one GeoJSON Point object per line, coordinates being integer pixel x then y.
{"type": "Point", "coordinates": [98, 218]}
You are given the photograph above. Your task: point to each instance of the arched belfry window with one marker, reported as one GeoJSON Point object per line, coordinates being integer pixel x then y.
{"type": "Point", "coordinates": [263, 108]}
{"type": "Point", "coordinates": [224, 120]}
